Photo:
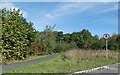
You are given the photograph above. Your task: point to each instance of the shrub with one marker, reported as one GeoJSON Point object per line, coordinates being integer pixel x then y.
{"type": "Point", "coordinates": [37, 49]}
{"type": "Point", "coordinates": [61, 47]}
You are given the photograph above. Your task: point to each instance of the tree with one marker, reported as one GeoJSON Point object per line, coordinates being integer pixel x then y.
{"type": "Point", "coordinates": [95, 42]}
{"type": "Point", "coordinates": [59, 36]}
{"type": "Point", "coordinates": [67, 38]}
{"type": "Point", "coordinates": [113, 42]}
{"type": "Point", "coordinates": [17, 35]}
{"type": "Point", "coordinates": [83, 39]}
{"type": "Point", "coordinates": [78, 38]}
{"type": "Point", "coordinates": [96, 37]}
{"type": "Point", "coordinates": [47, 38]}
{"type": "Point", "coordinates": [118, 41]}
{"type": "Point", "coordinates": [0, 31]}
{"type": "Point", "coordinates": [50, 40]}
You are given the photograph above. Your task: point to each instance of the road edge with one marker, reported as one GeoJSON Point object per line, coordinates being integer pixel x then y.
{"type": "Point", "coordinates": [98, 68]}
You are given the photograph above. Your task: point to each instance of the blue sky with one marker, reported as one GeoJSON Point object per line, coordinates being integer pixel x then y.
{"type": "Point", "coordinates": [97, 17]}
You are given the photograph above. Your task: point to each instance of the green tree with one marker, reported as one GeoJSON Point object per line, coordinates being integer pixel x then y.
{"type": "Point", "coordinates": [0, 31]}
{"type": "Point", "coordinates": [47, 38]}
{"type": "Point", "coordinates": [77, 37]}
{"type": "Point", "coordinates": [95, 42]}
{"type": "Point", "coordinates": [17, 35]}
{"type": "Point", "coordinates": [59, 36]}
{"type": "Point", "coordinates": [113, 42]}
{"type": "Point", "coordinates": [83, 39]}
{"type": "Point", "coordinates": [67, 38]}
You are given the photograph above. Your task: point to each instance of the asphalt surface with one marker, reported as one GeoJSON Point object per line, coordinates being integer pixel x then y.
{"type": "Point", "coordinates": [110, 69]}
{"type": "Point", "coordinates": [113, 69]}
{"type": "Point", "coordinates": [21, 64]}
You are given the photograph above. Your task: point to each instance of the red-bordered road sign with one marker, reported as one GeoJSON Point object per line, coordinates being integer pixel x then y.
{"type": "Point", "coordinates": [106, 36]}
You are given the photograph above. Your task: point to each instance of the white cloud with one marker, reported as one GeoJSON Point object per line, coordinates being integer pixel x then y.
{"type": "Point", "coordinates": [74, 8]}
{"type": "Point", "coordinates": [115, 7]}
{"type": "Point", "coordinates": [25, 14]}
{"type": "Point", "coordinates": [6, 5]}
{"type": "Point", "coordinates": [48, 15]}
{"type": "Point", "coordinates": [9, 6]}
{"type": "Point", "coordinates": [65, 9]}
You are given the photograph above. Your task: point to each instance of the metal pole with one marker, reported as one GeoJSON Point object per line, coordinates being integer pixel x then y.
{"type": "Point", "coordinates": [106, 49]}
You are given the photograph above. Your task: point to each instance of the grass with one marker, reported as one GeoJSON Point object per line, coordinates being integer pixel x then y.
{"type": "Point", "coordinates": [88, 54]}
{"type": "Point", "coordinates": [64, 65]}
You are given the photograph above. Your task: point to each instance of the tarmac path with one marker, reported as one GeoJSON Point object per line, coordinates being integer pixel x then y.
{"type": "Point", "coordinates": [21, 64]}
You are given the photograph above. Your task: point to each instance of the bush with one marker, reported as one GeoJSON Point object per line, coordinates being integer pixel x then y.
{"type": "Point", "coordinates": [37, 49]}
{"type": "Point", "coordinates": [63, 46]}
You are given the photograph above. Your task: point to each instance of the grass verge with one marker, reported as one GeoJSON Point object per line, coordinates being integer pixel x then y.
{"type": "Point", "coordinates": [62, 65]}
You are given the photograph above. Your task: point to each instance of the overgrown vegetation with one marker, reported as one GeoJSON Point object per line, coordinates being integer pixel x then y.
{"type": "Point", "coordinates": [19, 39]}
{"type": "Point", "coordinates": [88, 54]}
{"type": "Point", "coordinates": [46, 39]}
{"type": "Point", "coordinates": [63, 65]}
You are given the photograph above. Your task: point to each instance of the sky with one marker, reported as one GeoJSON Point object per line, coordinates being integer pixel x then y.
{"type": "Point", "coordinates": [98, 17]}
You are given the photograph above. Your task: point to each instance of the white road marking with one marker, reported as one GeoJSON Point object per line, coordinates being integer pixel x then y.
{"type": "Point", "coordinates": [86, 71]}
{"type": "Point", "coordinates": [98, 68]}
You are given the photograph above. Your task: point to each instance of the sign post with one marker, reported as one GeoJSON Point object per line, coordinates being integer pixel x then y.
{"type": "Point", "coordinates": [106, 49]}
{"type": "Point", "coordinates": [106, 37]}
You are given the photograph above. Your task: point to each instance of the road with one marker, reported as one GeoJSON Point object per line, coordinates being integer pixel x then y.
{"type": "Point", "coordinates": [113, 69]}
{"type": "Point", "coordinates": [110, 69]}
{"type": "Point", "coordinates": [21, 64]}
